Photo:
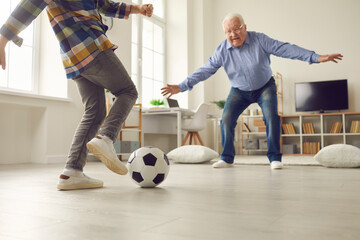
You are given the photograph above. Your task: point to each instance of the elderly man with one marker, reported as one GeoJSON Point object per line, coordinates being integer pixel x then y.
{"type": "Point", "coordinates": [245, 56]}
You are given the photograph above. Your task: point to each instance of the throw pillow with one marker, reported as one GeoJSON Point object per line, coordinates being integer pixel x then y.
{"type": "Point", "coordinates": [192, 154]}
{"type": "Point", "coordinates": [339, 156]}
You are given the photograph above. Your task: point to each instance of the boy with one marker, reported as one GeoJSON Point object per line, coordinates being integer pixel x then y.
{"type": "Point", "coordinates": [89, 59]}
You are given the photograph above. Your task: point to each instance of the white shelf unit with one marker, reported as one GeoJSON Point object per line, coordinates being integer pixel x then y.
{"type": "Point", "coordinates": [132, 125]}
{"type": "Point", "coordinates": [248, 120]}
{"type": "Point", "coordinates": [322, 124]}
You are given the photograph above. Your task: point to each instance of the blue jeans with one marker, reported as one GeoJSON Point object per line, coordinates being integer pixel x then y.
{"type": "Point", "coordinates": [236, 103]}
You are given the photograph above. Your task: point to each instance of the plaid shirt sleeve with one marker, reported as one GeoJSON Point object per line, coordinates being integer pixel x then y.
{"type": "Point", "coordinates": [114, 9]}
{"type": "Point", "coordinates": [21, 17]}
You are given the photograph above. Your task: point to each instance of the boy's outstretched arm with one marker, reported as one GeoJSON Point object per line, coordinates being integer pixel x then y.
{"type": "Point", "coordinates": [145, 9]}
{"type": "Point", "coordinates": [121, 10]}
{"type": "Point", "coordinates": [25, 12]}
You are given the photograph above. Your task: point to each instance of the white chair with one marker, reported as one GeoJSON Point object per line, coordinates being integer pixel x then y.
{"type": "Point", "coordinates": [197, 124]}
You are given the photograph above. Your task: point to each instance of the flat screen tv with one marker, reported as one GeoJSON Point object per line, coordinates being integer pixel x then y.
{"type": "Point", "coordinates": [321, 96]}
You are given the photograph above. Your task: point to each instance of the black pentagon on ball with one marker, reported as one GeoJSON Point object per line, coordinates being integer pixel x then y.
{"type": "Point", "coordinates": [166, 159]}
{"type": "Point", "coordinates": [159, 178]}
{"type": "Point", "coordinates": [149, 159]}
{"type": "Point", "coordinates": [137, 177]}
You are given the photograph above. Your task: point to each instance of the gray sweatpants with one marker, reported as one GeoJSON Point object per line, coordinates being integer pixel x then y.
{"type": "Point", "coordinates": [104, 72]}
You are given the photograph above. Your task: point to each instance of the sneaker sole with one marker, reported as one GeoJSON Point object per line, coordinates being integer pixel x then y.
{"type": "Point", "coordinates": [276, 168]}
{"type": "Point", "coordinates": [230, 166]}
{"type": "Point", "coordinates": [79, 186]}
{"type": "Point", "coordinates": [118, 168]}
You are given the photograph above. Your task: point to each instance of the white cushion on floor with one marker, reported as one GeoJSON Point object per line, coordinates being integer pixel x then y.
{"type": "Point", "coordinates": [339, 156]}
{"type": "Point", "coordinates": [192, 154]}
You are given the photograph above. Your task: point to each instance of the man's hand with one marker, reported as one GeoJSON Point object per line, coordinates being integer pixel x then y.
{"type": "Point", "coordinates": [3, 42]}
{"type": "Point", "coordinates": [170, 89]}
{"type": "Point", "coordinates": [330, 57]}
{"type": "Point", "coordinates": [145, 9]}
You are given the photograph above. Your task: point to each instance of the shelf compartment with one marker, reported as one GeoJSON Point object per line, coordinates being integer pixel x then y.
{"type": "Point", "coordinates": [353, 139]}
{"type": "Point", "coordinates": [333, 124]}
{"type": "Point", "coordinates": [311, 124]}
{"type": "Point", "coordinates": [333, 139]}
{"type": "Point", "coordinates": [349, 120]}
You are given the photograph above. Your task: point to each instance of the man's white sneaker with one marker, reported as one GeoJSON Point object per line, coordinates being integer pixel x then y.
{"type": "Point", "coordinates": [79, 182]}
{"type": "Point", "coordinates": [105, 151]}
{"type": "Point", "coordinates": [276, 165]}
{"type": "Point", "coordinates": [222, 164]}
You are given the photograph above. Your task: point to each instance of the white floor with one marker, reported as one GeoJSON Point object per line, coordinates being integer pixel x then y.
{"type": "Point", "coordinates": [195, 202]}
{"type": "Point", "coordinates": [286, 159]}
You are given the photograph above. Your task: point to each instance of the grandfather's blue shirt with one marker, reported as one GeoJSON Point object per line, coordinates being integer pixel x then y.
{"type": "Point", "coordinates": [247, 67]}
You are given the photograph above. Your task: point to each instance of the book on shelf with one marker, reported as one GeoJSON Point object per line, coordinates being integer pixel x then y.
{"type": "Point", "coordinates": [284, 128]}
{"type": "Point", "coordinates": [308, 128]}
{"type": "Point", "coordinates": [311, 147]}
{"type": "Point", "coordinates": [261, 129]}
{"type": "Point", "coordinates": [336, 127]}
{"type": "Point", "coordinates": [258, 122]}
{"type": "Point", "coordinates": [292, 128]}
{"type": "Point", "coordinates": [355, 127]}
{"type": "Point", "coordinates": [288, 128]}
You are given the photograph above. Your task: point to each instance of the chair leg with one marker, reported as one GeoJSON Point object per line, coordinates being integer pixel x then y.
{"type": "Point", "coordinates": [198, 135]}
{"type": "Point", "coordinates": [192, 135]}
{"type": "Point", "coordinates": [185, 139]}
{"type": "Point", "coordinates": [195, 138]}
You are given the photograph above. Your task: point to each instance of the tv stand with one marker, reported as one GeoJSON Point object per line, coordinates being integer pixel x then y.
{"type": "Point", "coordinates": [316, 131]}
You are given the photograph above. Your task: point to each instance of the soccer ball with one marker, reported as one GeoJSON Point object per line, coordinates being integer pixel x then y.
{"type": "Point", "coordinates": [148, 166]}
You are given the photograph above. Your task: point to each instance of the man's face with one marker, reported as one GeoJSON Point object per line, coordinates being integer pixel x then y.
{"type": "Point", "coordinates": [235, 32]}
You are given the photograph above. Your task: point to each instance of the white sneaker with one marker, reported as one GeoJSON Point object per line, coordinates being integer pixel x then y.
{"type": "Point", "coordinates": [81, 182]}
{"type": "Point", "coordinates": [222, 164]}
{"type": "Point", "coordinates": [106, 153]}
{"type": "Point", "coordinates": [276, 165]}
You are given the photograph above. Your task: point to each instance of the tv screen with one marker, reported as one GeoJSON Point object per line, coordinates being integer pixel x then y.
{"type": "Point", "coordinates": [321, 96]}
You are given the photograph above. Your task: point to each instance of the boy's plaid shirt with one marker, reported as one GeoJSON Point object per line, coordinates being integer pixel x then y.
{"type": "Point", "coordinates": [77, 25]}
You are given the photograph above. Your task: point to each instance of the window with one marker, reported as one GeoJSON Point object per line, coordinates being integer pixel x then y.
{"type": "Point", "coordinates": [148, 52]}
{"type": "Point", "coordinates": [18, 75]}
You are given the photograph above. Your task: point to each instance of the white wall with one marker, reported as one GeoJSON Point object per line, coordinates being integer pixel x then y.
{"type": "Point", "coordinates": [177, 45]}
{"type": "Point", "coordinates": [52, 77]}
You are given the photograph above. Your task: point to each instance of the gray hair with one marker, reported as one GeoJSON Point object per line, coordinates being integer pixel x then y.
{"type": "Point", "coordinates": [230, 16]}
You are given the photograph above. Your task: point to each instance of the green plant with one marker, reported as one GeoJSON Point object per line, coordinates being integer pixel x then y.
{"type": "Point", "coordinates": [157, 102]}
{"type": "Point", "coordinates": [220, 103]}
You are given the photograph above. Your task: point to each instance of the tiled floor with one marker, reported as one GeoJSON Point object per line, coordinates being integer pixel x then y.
{"type": "Point", "coordinates": [195, 202]}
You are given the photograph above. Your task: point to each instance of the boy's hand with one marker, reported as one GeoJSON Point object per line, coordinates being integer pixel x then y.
{"type": "Point", "coordinates": [146, 10]}
{"type": "Point", "coordinates": [3, 42]}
